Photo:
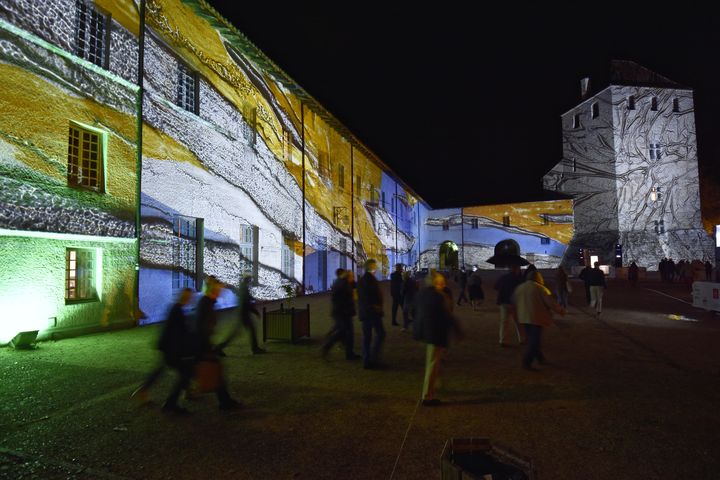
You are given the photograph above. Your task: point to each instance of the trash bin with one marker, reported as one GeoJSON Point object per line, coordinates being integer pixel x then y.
{"type": "Point", "coordinates": [481, 459]}
{"type": "Point", "coordinates": [286, 324]}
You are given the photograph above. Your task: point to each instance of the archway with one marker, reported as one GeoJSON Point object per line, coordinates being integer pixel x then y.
{"type": "Point", "coordinates": [448, 256]}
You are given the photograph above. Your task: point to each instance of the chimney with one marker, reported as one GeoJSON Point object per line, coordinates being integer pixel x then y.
{"type": "Point", "coordinates": [584, 88]}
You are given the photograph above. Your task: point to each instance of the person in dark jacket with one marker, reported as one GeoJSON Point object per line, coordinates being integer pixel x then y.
{"type": "Point", "coordinates": [343, 309]}
{"type": "Point", "coordinates": [435, 322]}
{"type": "Point", "coordinates": [505, 287]}
{"type": "Point", "coordinates": [370, 308]}
{"type": "Point", "coordinates": [246, 309]}
{"type": "Point", "coordinates": [596, 281]}
{"type": "Point", "coordinates": [585, 277]}
{"type": "Point", "coordinates": [475, 289]}
{"type": "Point", "coordinates": [206, 321]}
{"type": "Point", "coordinates": [396, 283]}
{"type": "Point", "coordinates": [178, 347]}
{"type": "Point", "coordinates": [409, 292]}
{"type": "Point", "coordinates": [462, 285]}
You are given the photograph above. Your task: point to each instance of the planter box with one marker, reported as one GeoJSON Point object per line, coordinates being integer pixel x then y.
{"type": "Point", "coordinates": [286, 324]}
{"type": "Point", "coordinates": [481, 459]}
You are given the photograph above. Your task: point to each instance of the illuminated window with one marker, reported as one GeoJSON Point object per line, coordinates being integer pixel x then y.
{"type": "Point", "coordinates": [92, 30]}
{"type": "Point", "coordinates": [653, 104]}
{"type": "Point", "coordinates": [474, 223]}
{"type": "Point", "coordinates": [576, 121]}
{"type": "Point", "coordinates": [631, 102]}
{"type": "Point", "coordinates": [595, 110]}
{"type": "Point", "coordinates": [655, 152]}
{"type": "Point", "coordinates": [341, 176]}
{"type": "Point", "coordinates": [676, 105]}
{"type": "Point", "coordinates": [85, 158]}
{"type": "Point", "coordinates": [186, 246]}
{"type": "Point", "coordinates": [80, 275]}
{"type": "Point", "coordinates": [655, 194]}
{"type": "Point", "coordinates": [187, 89]}
{"type": "Point", "coordinates": [544, 241]}
{"type": "Point", "coordinates": [446, 225]}
{"type": "Point", "coordinates": [506, 220]}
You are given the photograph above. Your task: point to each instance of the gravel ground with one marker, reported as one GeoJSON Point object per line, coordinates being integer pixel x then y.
{"type": "Point", "coordinates": [632, 394]}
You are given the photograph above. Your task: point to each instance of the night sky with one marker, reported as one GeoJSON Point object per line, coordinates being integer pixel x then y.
{"type": "Point", "coordinates": [465, 105]}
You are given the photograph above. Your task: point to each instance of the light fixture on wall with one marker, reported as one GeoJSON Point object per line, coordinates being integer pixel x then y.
{"type": "Point", "coordinates": [24, 340]}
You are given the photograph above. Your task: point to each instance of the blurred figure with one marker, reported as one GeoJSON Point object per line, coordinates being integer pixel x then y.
{"type": "Point", "coordinates": [534, 304]}
{"type": "Point", "coordinates": [633, 274]}
{"type": "Point", "coordinates": [435, 321]}
{"type": "Point", "coordinates": [409, 292]}
{"type": "Point", "coordinates": [206, 322]}
{"type": "Point", "coordinates": [370, 307]}
{"type": "Point", "coordinates": [396, 282]}
{"type": "Point", "coordinates": [475, 289]}
{"type": "Point", "coordinates": [708, 271]}
{"type": "Point", "coordinates": [246, 309]}
{"type": "Point", "coordinates": [561, 287]}
{"type": "Point", "coordinates": [343, 309]}
{"type": "Point", "coordinates": [505, 287]}
{"type": "Point", "coordinates": [462, 284]}
{"type": "Point", "coordinates": [585, 277]}
{"type": "Point", "coordinates": [179, 348]}
{"type": "Point", "coordinates": [596, 281]}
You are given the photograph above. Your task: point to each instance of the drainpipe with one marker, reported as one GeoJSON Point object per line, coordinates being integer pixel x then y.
{"type": "Point", "coordinates": [352, 205]}
{"type": "Point", "coordinates": [462, 234]}
{"type": "Point", "coordinates": [138, 149]}
{"type": "Point", "coordinates": [302, 137]}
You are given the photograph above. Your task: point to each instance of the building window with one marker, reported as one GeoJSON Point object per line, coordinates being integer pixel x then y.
{"type": "Point", "coordinates": [287, 145]}
{"type": "Point", "coordinates": [574, 165]}
{"type": "Point", "coordinates": [80, 275]}
{"type": "Point", "coordinates": [341, 217]}
{"type": "Point", "coordinates": [544, 240]}
{"type": "Point", "coordinates": [576, 121]}
{"type": "Point", "coordinates": [595, 110]}
{"type": "Point", "coordinates": [446, 225]}
{"type": "Point", "coordinates": [659, 227]}
{"type": "Point", "coordinates": [187, 89]}
{"type": "Point", "coordinates": [631, 102]}
{"type": "Point", "coordinates": [676, 105]}
{"type": "Point", "coordinates": [85, 158]}
{"type": "Point", "coordinates": [382, 195]}
{"type": "Point", "coordinates": [288, 257]}
{"type": "Point", "coordinates": [248, 252]}
{"type": "Point", "coordinates": [506, 220]}
{"type": "Point", "coordinates": [341, 176]}
{"type": "Point", "coordinates": [474, 223]}
{"type": "Point", "coordinates": [655, 152]}
{"type": "Point", "coordinates": [186, 246]}
{"type": "Point", "coordinates": [92, 30]}
{"type": "Point", "coordinates": [343, 254]}
{"type": "Point", "coordinates": [654, 104]}
{"type": "Point", "coordinates": [358, 186]}
{"type": "Point", "coordinates": [545, 219]}
{"type": "Point", "coordinates": [323, 164]}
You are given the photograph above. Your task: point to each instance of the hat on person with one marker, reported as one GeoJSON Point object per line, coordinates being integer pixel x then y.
{"type": "Point", "coordinates": [507, 253]}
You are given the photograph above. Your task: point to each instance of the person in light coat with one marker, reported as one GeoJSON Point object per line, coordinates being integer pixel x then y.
{"type": "Point", "coordinates": [534, 305]}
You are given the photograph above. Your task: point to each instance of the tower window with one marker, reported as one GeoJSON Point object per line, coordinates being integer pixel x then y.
{"type": "Point", "coordinates": [187, 89]}
{"type": "Point", "coordinates": [676, 105]}
{"type": "Point", "coordinates": [595, 110]}
{"type": "Point", "coordinates": [631, 102]}
{"type": "Point", "coordinates": [655, 151]}
{"type": "Point", "coordinates": [576, 121]}
{"type": "Point", "coordinates": [659, 227]}
{"type": "Point", "coordinates": [91, 34]}
{"type": "Point", "coordinates": [574, 165]}
{"type": "Point", "coordinates": [544, 240]}
{"type": "Point", "coordinates": [654, 104]}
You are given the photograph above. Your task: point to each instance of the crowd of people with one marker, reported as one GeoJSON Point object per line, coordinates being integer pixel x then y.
{"type": "Point", "coordinates": [525, 305]}
{"type": "Point", "coordinates": [684, 271]}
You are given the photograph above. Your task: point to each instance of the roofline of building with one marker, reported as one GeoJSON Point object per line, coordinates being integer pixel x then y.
{"type": "Point", "coordinates": [238, 39]}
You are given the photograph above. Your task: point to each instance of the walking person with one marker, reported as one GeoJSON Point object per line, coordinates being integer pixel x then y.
{"type": "Point", "coordinates": [435, 322]}
{"type": "Point", "coordinates": [585, 277]}
{"type": "Point", "coordinates": [708, 271]}
{"type": "Point", "coordinates": [247, 307]}
{"type": "Point", "coordinates": [534, 304]}
{"type": "Point", "coordinates": [633, 274]}
{"type": "Point", "coordinates": [178, 348]}
{"type": "Point", "coordinates": [475, 289]}
{"type": "Point", "coordinates": [561, 287]}
{"type": "Point", "coordinates": [462, 284]}
{"type": "Point", "coordinates": [342, 311]}
{"type": "Point", "coordinates": [409, 292]}
{"type": "Point", "coordinates": [507, 254]}
{"type": "Point", "coordinates": [596, 280]}
{"type": "Point", "coordinates": [370, 308]}
{"type": "Point", "coordinates": [396, 282]}
{"type": "Point", "coordinates": [206, 321]}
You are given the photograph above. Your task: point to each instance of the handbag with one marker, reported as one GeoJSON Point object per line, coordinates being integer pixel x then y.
{"type": "Point", "coordinates": [208, 375]}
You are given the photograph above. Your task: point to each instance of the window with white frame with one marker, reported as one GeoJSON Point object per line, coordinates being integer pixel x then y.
{"type": "Point", "coordinates": [288, 258]}
{"type": "Point", "coordinates": [655, 194]}
{"type": "Point", "coordinates": [655, 151]}
{"type": "Point", "coordinates": [80, 277]}
{"type": "Point", "coordinates": [187, 89]}
{"type": "Point", "coordinates": [85, 158]}
{"type": "Point", "coordinates": [92, 34]}
{"type": "Point", "coordinates": [247, 250]}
